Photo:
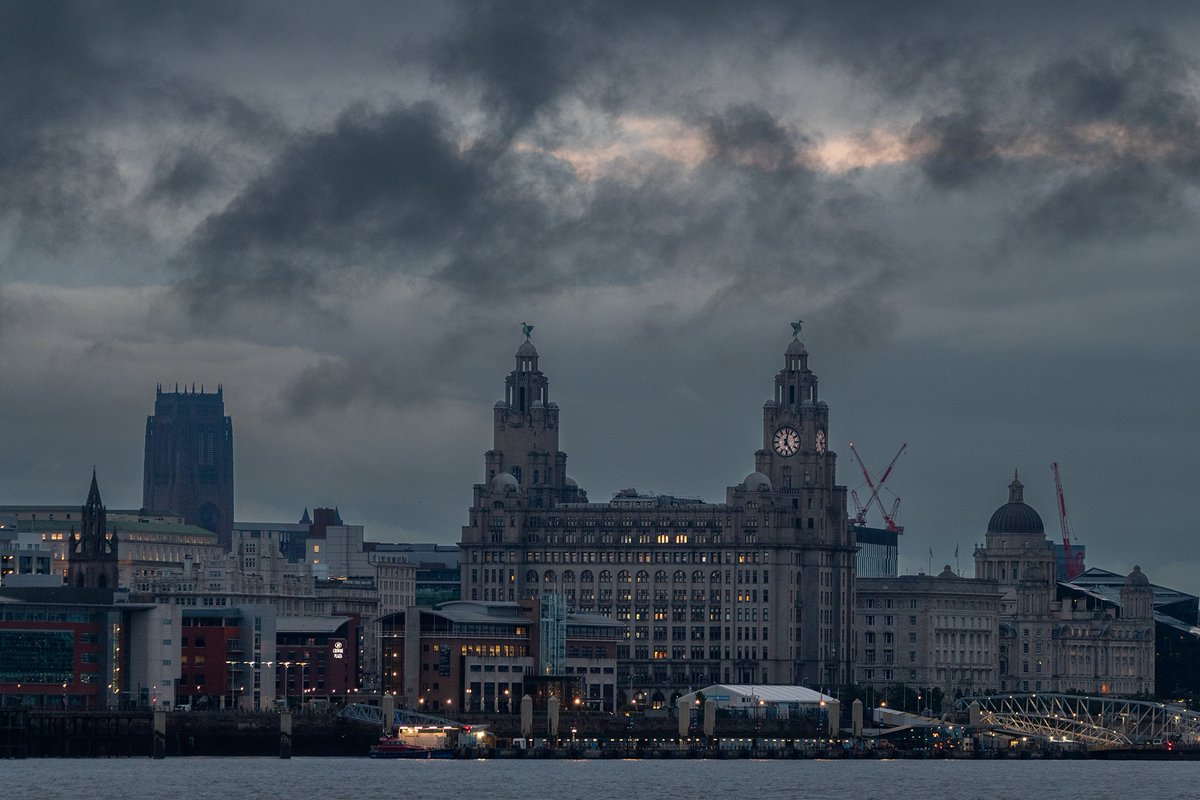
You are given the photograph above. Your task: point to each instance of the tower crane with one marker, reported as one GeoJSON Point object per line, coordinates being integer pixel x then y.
{"type": "Point", "coordinates": [860, 509]}
{"type": "Point", "coordinates": [1073, 561]}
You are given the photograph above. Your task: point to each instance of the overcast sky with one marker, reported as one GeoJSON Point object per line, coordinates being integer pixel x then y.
{"type": "Point", "coordinates": [987, 216]}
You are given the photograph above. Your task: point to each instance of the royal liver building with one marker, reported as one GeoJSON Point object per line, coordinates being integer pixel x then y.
{"type": "Point", "coordinates": [757, 589]}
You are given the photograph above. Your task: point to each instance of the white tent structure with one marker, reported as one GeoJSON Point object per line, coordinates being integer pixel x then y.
{"type": "Point", "coordinates": [764, 700]}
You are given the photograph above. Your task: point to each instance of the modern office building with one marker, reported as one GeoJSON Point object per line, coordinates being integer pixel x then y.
{"type": "Point", "coordinates": [73, 648]}
{"type": "Point", "coordinates": [484, 656]}
{"type": "Point", "coordinates": [878, 552]}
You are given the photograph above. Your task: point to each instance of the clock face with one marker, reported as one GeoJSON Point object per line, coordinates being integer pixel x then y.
{"type": "Point", "coordinates": [820, 443]}
{"type": "Point", "coordinates": [786, 441]}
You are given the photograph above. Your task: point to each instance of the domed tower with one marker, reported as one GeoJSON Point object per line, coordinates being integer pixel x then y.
{"type": "Point", "coordinates": [525, 435]}
{"type": "Point", "coordinates": [1015, 547]}
{"type": "Point", "coordinates": [1137, 596]}
{"type": "Point", "coordinates": [92, 553]}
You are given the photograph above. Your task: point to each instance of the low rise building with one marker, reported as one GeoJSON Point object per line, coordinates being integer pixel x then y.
{"type": "Point", "coordinates": [485, 655]}
{"type": "Point", "coordinates": [76, 648]}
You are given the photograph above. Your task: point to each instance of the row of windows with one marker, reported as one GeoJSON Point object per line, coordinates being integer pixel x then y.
{"type": "Point", "coordinates": [642, 576]}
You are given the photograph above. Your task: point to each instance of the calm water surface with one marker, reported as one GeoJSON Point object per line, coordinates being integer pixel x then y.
{"type": "Point", "coordinates": [336, 778]}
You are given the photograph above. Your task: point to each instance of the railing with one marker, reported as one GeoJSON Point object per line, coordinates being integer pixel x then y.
{"type": "Point", "coordinates": [1097, 722]}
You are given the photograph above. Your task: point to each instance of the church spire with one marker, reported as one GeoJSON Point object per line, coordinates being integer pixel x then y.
{"type": "Point", "coordinates": [92, 553]}
{"type": "Point", "coordinates": [93, 498]}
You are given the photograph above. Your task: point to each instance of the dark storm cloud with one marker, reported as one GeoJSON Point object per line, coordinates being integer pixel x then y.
{"type": "Point", "coordinates": [750, 136]}
{"type": "Point", "coordinates": [1096, 143]}
{"type": "Point", "coordinates": [333, 202]}
{"type": "Point", "coordinates": [69, 72]}
{"type": "Point", "coordinates": [523, 56]}
{"type": "Point", "coordinates": [338, 382]}
{"type": "Point", "coordinates": [1126, 200]}
{"type": "Point", "coordinates": [390, 192]}
{"type": "Point", "coordinates": [358, 201]}
{"type": "Point", "coordinates": [179, 177]}
{"type": "Point", "coordinates": [956, 149]}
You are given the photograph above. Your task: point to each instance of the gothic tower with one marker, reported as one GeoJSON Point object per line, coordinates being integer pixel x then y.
{"type": "Point", "coordinates": [92, 553]}
{"type": "Point", "coordinates": [189, 460]}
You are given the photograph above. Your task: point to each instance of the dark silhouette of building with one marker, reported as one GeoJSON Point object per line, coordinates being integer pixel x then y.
{"type": "Point", "coordinates": [189, 460]}
{"type": "Point", "coordinates": [92, 553]}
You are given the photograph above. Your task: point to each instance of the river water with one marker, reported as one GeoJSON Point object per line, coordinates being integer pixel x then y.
{"type": "Point", "coordinates": [336, 778]}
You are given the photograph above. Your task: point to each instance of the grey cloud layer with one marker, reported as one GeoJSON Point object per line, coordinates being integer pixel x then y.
{"type": "Point", "coordinates": [375, 240]}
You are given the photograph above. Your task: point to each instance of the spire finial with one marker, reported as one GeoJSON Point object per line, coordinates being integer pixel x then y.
{"type": "Point", "coordinates": [526, 329]}
{"type": "Point", "coordinates": [1016, 490]}
{"type": "Point", "coordinates": [796, 328]}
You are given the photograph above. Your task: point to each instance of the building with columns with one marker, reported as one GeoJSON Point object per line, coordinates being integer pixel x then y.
{"type": "Point", "coordinates": [756, 589]}
{"type": "Point", "coordinates": [1048, 640]}
{"type": "Point", "coordinates": [928, 631]}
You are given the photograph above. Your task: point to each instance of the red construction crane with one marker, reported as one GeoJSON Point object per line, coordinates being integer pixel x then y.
{"type": "Point", "coordinates": [1073, 561]}
{"type": "Point", "coordinates": [889, 517]}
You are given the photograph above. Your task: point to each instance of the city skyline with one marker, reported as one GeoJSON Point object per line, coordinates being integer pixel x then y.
{"type": "Point", "coordinates": [987, 219]}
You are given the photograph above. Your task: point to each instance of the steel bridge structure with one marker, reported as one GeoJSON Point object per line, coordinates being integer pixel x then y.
{"type": "Point", "coordinates": [361, 712]}
{"type": "Point", "coordinates": [1094, 722]}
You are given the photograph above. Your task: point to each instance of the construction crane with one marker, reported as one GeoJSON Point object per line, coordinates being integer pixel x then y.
{"type": "Point", "coordinates": [1073, 561]}
{"type": "Point", "coordinates": [860, 509]}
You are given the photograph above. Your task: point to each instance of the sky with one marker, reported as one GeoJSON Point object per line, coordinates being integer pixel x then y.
{"type": "Point", "coordinates": [987, 215]}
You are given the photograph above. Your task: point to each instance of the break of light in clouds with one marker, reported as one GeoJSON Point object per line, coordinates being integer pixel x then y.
{"type": "Point", "coordinates": [987, 217]}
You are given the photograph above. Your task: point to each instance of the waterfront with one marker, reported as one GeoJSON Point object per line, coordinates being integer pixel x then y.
{"type": "Point", "coordinates": [268, 779]}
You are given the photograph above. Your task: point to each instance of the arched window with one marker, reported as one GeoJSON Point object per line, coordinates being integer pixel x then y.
{"type": "Point", "coordinates": [624, 577]}
{"type": "Point", "coordinates": [715, 577]}
{"type": "Point", "coordinates": [643, 576]}
{"type": "Point", "coordinates": [660, 576]}
{"type": "Point", "coordinates": [550, 577]}
{"type": "Point", "coordinates": [531, 576]}
{"type": "Point", "coordinates": [698, 576]}
{"type": "Point", "coordinates": [586, 576]}
{"type": "Point", "coordinates": [605, 576]}
{"type": "Point", "coordinates": [569, 576]}
{"type": "Point", "coordinates": [680, 576]}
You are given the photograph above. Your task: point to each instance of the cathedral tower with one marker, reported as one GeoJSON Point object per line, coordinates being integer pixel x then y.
{"type": "Point", "coordinates": [189, 460]}
{"type": "Point", "coordinates": [92, 553]}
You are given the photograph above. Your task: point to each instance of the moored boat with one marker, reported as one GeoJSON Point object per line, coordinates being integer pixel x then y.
{"type": "Point", "coordinates": [394, 747]}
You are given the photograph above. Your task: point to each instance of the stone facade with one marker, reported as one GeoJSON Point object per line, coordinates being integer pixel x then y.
{"type": "Point", "coordinates": [756, 589]}
{"type": "Point", "coordinates": [1049, 644]}
{"type": "Point", "coordinates": [925, 631]}
{"type": "Point", "coordinates": [92, 553]}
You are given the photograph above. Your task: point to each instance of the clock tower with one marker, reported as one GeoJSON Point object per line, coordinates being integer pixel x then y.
{"type": "Point", "coordinates": [795, 449]}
